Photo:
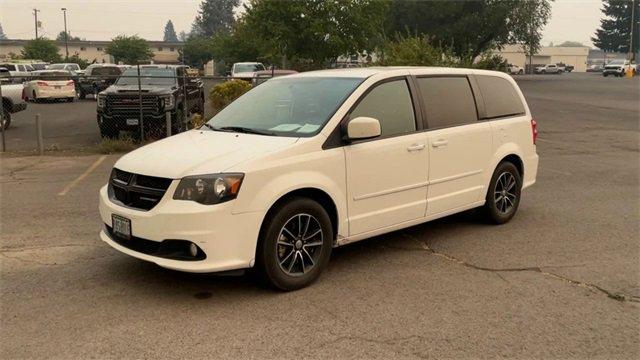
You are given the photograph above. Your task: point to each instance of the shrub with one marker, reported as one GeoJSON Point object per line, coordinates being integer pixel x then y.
{"type": "Point", "coordinates": [223, 94]}
{"type": "Point", "coordinates": [491, 62]}
{"type": "Point", "coordinates": [415, 51]}
{"type": "Point", "coordinates": [110, 146]}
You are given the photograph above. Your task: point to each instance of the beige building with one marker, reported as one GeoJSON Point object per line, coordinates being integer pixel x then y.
{"type": "Point", "coordinates": [93, 51]}
{"type": "Point", "coordinates": [575, 56]}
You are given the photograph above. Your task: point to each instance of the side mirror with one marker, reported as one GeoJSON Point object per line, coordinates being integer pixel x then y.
{"type": "Point", "coordinates": [363, 128]}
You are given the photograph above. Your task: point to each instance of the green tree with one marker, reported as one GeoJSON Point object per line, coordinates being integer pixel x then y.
{"type": "Point", "coordinates": [2, 34]}
{"type": "Point", "coordinates": [41, 49]}
{"type": "Point", "coordinates": [60, 37]}
{"type": "Point", "coordinates": [170, 32]}
{"type": "Point", "coordinates": [470, 28]}
{"type": "Point", "coordinates": [614, 34]}
{"type": "Point", "coordinates": [214, 16]}
{"type": "Point", "coordinates": [312, 33]}
{"type": "Point", "coordinates": [76, 59]}
{"type": "Point", "coordinates": [129, 49]}
{"type": "Point", "coordinates": [415, 50]}
{"type": "Point", "coordinates": [197, 51]}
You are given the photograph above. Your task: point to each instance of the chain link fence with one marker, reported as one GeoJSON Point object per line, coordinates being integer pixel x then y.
{"type": "Point", "coordinates": [61, 110]}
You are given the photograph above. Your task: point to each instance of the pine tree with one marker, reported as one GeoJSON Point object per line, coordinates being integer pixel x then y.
{"type": "Point", "coordinates": [214, 16]}
{"type": "Point", "coordinates": [2, 34]}
{"type": "Point", "coordinates": [170, 32]}
{"type": "Point", "coordinates": [614, 33]}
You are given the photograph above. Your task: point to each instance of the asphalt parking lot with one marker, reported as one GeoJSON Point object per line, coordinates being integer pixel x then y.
{"type": "Point", "coordinates": [559, 281]}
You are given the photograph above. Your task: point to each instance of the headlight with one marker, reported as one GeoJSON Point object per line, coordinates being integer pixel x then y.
{"type": "Point", "coordinates": [101, 100]}
{"type": "Point", "coordinates": [209, 189]}
{"type": "Point", "coordinates": [167, 100]}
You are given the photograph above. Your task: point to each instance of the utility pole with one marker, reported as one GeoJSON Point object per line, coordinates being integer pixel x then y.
{"type": "Point", "coordinates": [66, 34]}
{"type": "Point", "coordinates": [35, 14]}
{"type": "Point", "coordinates": [633, 23]}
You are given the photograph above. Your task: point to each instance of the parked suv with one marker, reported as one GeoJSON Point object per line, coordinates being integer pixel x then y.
{"type": "Point", "coordinates": [96, 78]}
{"type": "Point", "coordinates": [165, 88]}
{"type": "Point", "coordinates": [13, 100]}
{"type": "Point", "coordinates": [307, 162]}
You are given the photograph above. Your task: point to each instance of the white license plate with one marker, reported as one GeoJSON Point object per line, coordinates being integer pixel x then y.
{"type": "Point", "coordinates": [132, 121]}
{"type": "Point", "coordinates": [121, 226]}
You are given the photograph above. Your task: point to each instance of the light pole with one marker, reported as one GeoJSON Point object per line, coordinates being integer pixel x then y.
{"type": "Point", "coordinates": [66, 34]}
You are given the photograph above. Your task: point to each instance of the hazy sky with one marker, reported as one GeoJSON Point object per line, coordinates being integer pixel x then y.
{"type": "Point", "coordinates": [574, 20]}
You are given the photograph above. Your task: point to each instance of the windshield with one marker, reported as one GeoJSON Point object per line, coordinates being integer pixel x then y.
{"type": "Point", "coordinates": [148, 76]}
{"type": "Point", "coordinates": [241, 68]}
{"type": "Point", "coordinates": [56, 67]}
{"type": "Point", "coordinates": [617, 62]}
{"type": "Point", "coordinates": [287, 106]}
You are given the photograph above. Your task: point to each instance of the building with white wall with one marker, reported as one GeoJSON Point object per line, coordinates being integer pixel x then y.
{"type": "Point", "coordinates": [574, 56]}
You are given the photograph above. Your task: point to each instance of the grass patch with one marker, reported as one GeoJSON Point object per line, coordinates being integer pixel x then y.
{"type": "Point", "coordinates": [111, 146]}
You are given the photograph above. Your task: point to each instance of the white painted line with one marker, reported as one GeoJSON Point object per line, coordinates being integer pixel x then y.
{"type": "Point", "coordinates": [82, 176]}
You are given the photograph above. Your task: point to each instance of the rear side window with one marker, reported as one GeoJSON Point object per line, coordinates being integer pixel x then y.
{"type": "Point", "coordinates": [448, 101]}
{"type": "Point", "coordinates": [391, 104]}
{"type": "Point", "coordinates": [500, 97]}
{"type": "Point", "coordinates": [9, 67]}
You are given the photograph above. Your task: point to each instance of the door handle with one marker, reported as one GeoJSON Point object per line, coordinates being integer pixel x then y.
{"type": "Point", "coordinates": [439, 143]}
{"type": "Point", "coordinates": [415, 147]}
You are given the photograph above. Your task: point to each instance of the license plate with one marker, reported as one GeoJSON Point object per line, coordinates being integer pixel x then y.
{"type": "Point", "coordinates": [132, 121]}
{"type": "Point", "coordinates": [57, 87]}
{"type": "Point", "coordinates": [121, 226]}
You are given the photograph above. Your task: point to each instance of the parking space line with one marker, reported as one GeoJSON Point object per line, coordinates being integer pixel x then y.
{"type": "Point", "coordinates": [555, 171]}
{"type": "Point", "coordinates": [82, 176]}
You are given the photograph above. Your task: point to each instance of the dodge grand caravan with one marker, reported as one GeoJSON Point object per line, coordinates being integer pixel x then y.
{"type": "Point", "coordinates": [312, 161]}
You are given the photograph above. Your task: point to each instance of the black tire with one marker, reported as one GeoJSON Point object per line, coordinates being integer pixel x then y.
{"type": "Point", "coordinates": [70, 99]}
{"type": "Point", "coordinates": [6, 120]}
{"type": "Point", "coordinates": [82, 95]}
{"type": "Point", "coordinates": [605, 74]}
{"type": "Point", "coordinates": [315, 251]}
{"type": "Point", "coordinates": [106, 131]}
{"type": "Point", "coordinates": [502, 200]}
{"type": "Point", "coordinates": [521, 72]}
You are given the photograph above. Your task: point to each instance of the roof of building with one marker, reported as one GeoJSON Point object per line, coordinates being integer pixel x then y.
{"type": "Point", "coordinates": [21, 42]}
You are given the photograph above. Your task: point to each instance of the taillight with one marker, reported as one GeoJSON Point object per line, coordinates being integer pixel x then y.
{"type": "Point", "coordinates": [70, 82]}
{"type": "Point", "coordinates": [534, 130]}
{"type": "Point", "coordinates": [24, 94]}
{"type": "Point", "coordinates": [42, 83]}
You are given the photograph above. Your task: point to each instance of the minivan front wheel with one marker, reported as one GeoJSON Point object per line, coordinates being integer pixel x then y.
{"type": "Point", "coordinates": [295, 244]}
{"type": "Point", "coordinates": [503, 196]}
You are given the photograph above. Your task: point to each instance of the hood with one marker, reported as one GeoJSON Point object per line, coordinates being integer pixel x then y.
{"type": "Point", "coordinates": [133, 89]}
{"type": "Point", "coordinates": [199, 152]}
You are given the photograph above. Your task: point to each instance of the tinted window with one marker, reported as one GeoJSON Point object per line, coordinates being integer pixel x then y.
{"type": "Point", "coordinates": [9, 67]}
{"type": "Point", "coordinates": [500, 97]}
{"type": "Point", "coordinates": [391, 104]}
{"type": "Point", "coordinates": [106, 70]}
{"type": "Point", "coordinates": [448, 101]}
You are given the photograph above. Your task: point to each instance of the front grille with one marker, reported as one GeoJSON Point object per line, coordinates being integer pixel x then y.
{"type": "Point", "coordinates": [132, 103]}
{"type": "Point", "coordinates": [137, 191]}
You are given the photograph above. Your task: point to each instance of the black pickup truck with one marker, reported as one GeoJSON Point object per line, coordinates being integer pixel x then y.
{"type": "Point", "coordinates": [163, 89]}
{"type": "Point", "coordinates": [96, 78]}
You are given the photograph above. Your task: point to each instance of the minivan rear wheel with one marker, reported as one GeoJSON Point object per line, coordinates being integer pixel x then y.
{"type": "Point", "coordinates": [503, 196]}
{"type": "Point", "coordinates": [295, 244]}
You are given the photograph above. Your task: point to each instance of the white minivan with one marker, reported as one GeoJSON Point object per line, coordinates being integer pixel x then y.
{"type": "Point", "coordinates": [308, 162]}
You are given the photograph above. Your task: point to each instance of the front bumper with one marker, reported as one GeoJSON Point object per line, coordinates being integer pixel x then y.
{"type": "Point", "coordinates": [228, 240]}
{"type": "Point", "coordinates": [118, 119]}
{"type": "Point", "coordinates": [616, 71]}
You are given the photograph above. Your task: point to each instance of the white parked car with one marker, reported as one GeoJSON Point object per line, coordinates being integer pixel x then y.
{"type": "Point", "coordinates": [52, 85]}
{"type": "Point", "coordinates": [18, 72]}
{"type": "Point", "coordinates": [13, 100]}
{"type": "Point", "coordinates": [67, 66]}
{"type": "Point", "coordinates": [307, 162]}
{"type": "Point", "coordinates": [548, 69]}
{"type": "Point", "coordinates": [515, 69]}
{"type": "Point", "coordinates": [246, 70]}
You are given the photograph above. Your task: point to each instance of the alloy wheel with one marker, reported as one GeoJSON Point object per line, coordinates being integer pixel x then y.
{"type": "Point", "coordinates": [299, 245]}
{"type": "Point", "coordinates": [505, 193]}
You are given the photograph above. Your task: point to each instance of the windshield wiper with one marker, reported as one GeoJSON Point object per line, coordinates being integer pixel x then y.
{"type": "Point", "coordinates": [209, 126]}
{"type": "Point", "coordinates": [242, 129]}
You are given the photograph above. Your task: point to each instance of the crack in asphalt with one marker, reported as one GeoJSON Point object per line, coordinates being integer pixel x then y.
{"type": "Point", "coordinates": [536, 269]}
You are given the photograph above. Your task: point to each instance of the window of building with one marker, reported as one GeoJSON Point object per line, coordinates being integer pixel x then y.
{"type": "Point", "coordinates": [171, 49]}
{"type": "Point", "coordinates": [391, 104]}
{"type": "Point", "coordinates": [82, 48]}
{"type": "Point", "coordinates": [500, 97]}
{"type": "Point", "coordinates": [448, 101]}
{"type": "Point", "coordinates": [99, 48]}
{"type": "Point", "coordinates": [160, 48]}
